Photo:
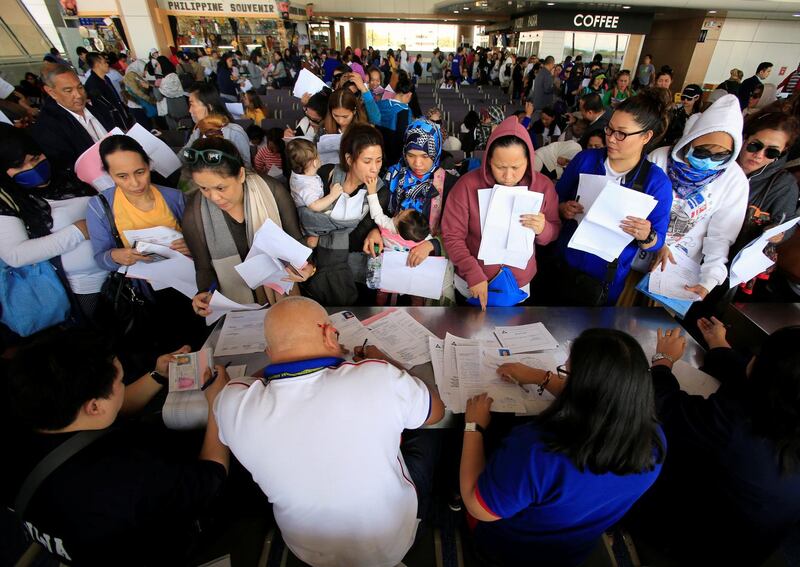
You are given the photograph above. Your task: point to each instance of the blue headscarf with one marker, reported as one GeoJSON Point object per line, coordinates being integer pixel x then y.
{"type": "Point", "coordinates": [407, 191]}
{"type": "Point", "coordinates": [686, 180]}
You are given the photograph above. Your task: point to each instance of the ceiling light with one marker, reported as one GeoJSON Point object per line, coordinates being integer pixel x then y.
{"type": "Point", "coordinates": [712, 11]}
{"type": "Point", "coordinates": [626, 7]}
{"type": "Point", "coordinates": [465, 8]}
{"type": "Point", "coordinates": [796, 15]}
{"type": "Point", "coordinates": [455, 11]}
{"type": "Point", "coordinates": [551, 3]}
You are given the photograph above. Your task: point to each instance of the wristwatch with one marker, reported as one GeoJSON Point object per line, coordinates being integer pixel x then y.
{"type": "Point", "coordinates": [661, 356]}
{"type": "Point", "coordinates": [472, 426]}
{"type": "Point", "coordinates": [160, 378]}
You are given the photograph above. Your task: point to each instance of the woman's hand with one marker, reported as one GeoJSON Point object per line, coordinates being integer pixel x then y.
{"type": "Point", "coordinates": [568, 209]}
{"type": "Point", "coordinates": [372, 240]}
{"type": "Point", "coordinates": [162, 362]}
{"type": "Point", "coordinates": [481, 291]}
{"type": "Point", "coordinates": [305, 98]}
{"type": "Point", "coordinates": [698, 289]}
{"type": "Point", "coordinates": [672, 343]}
{"type": "Point", "coordinates": [478, 410]}
{"type": "Point", "coordinates": [662, 257]}
{"type": "Point", "coordinates": [714, 332]}
{"type": "Point", "coordinates": [516, 372]}
{"type": "Point", "coordinates": [419, 253]}
{"type": "Point", "coordinates": [201, 304]}
{"type": "Point", "coordinates": [288, 133]}
{"type": "Point", "coordinates": [357, 80]}
{"type": "Point", "coordinates": [180, 246]}
{"type": "Point", "coordinates": [300, 275]}
{"type": "Point", "coordinates": [535, 222]}
{"type": "Point", "coordinates": [127, 256]}
{"type": "Point", "coordinates": [636, 227]}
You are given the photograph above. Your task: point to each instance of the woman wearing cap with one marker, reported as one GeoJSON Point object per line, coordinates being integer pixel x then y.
{"type": "Point", "coordinates": [691, 101]}
{"type": "Point", "coordinates": [507, 162]}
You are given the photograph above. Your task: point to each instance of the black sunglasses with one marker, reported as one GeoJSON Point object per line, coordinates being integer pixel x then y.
{"type": "Point", "coordinates": [704, 153]}
{"type": "Point", "coordinates": [209, 157]}
{"type": "Point", "coordinates": [756, 146]}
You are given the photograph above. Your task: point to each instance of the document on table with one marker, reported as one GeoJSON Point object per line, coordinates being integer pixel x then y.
{"type": "Point", "coordinates": [535, 403]}
{"type": "Point", "coordinates": [89, 166]}
{"type": "Point", "coordinates": [236, 109]}
{"type": "Point", "coordinates": [599, 232]}
{"type": "Point", "coordinates": [307, 82]}
{"type": "Point", "coordinates": [450, 375]}
{"type": "Point", "coordinates": [349, 207]}
{"type": "Point", "coordinates": [424, 280]}
{"type": "Point", "coordinates": [176, 271]}
{"type": "Point", "coordinates": [436, 350]}
{"type": "Point", "coordinates": [477, 372]}
{"type": "Point", "coordinates": [221, 305]}
{"type": "Point", "coordinates": [189, 410]}
{"type": "Point", "coordinates": [272, 240]}
{"type": "Point", "coordinates": [504, 240]}
{"type": "Point", "coordinates": [242, 333]}
{"type": "Point", "coordinates": [751, 261]}
{"type": "Point", "coordinates": [693, 380]}
{"type": "Point", "coordinates": [328, 148]}
{"type": "Point", "coordinates": [263, 269]}
{"type": "Point", "coordinates": [525, 338]}
{"type": "Point", "coordinates": [673, 280]}
{"type": "Point", "coordinates": [401, 337]}
{"type": "Point", "coordinates": [589, 188]}
{"type": "Point", "coordinates": [352, 333]}
{"type": "Point", "coordinates": [156, 235]}
{"type": "Point", "coordinates": [162, 158]}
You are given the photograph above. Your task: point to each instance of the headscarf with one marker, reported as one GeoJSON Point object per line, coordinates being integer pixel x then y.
{"type": "Point", "coordinates": [133, 75]}
{"type": "Point", "coordinates": [407, 191]}
{"type": "Point", "coordinates": [686, 180]}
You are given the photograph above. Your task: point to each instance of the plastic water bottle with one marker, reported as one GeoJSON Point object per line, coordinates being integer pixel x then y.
{"type": "Point", "coordinates": [374, 269]}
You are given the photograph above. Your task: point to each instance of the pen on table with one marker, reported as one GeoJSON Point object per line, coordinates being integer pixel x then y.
{"type": "Point", "coordinates": [213, 377]}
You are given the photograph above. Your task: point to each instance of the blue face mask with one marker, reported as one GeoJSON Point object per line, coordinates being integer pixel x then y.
{"type": "Point", "coordinates": [37, 176]}
{"type": "Point", "coordinates": [701, 164]}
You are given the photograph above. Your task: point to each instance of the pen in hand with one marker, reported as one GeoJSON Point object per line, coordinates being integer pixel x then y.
{"type": "Point", "coordinates": [213, 377]}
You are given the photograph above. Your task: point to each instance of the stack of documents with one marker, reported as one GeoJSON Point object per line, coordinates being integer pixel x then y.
{"type": "Point", "coordinates": [424, 280]}
{"type": "Point", "coordinates": [167, 267]}
{"type": "Point", "coordinates": [307, 82]}
{"type": "Point", "coordinates": [236, 109]}
{"type": "Point", "coordinates": [599, 231]}
{"type": "Point", "coordinates": [525, 338]}
{"type": "Point", "coordinates": [503, 238]}
{"type": "Point", "coordinates": [221, 305]}
{"type": "Point", "coordinates": [751, 261]}
{"type": "Point", "coordinates": [401, 337]}
{"type": "Point", "coordinates": [669, 287]}
{"type": "Point", "coordinates": [242, 333]}
{"type": "Point", "coordinates": [271, 253]}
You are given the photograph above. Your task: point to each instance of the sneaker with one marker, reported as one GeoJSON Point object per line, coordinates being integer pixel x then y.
{"type": "Point", "coordinates": [455, 503]}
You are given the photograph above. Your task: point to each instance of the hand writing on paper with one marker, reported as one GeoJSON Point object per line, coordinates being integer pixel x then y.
{"type": "Point", "coordinates": [568, 209]}
{"type": "Point", "coordinates": [662, 257]}
{"type": "Point", "coordinates": [180, 246]}
{"type": "Point", "coordinates": [200, 303]}
{"type": "Point", "coordinates": [127, 256]}
{"type": "Point", "coordinates": [516, 372]}
{"type": "Point", "coordinates": [370, 351]}
{"type": "Point", "coordinates": [672, 343]}
{"type": "Point", "coordinates": [714, 332]}
{"type": "Point", "coordinates": [534, 222]}
{"type": "Point", "coordinates": [419, 254]}
{"type": "Point", "coordinates": [288, 133]}
{"type": "Point", "coordinates": [698, 289]}
{"type": "Point", "coordinates": [162, 362]}
{"type": "Point", "coordinates": [479, 410]}
{"type": "Point", "coordinates": [481, 291]}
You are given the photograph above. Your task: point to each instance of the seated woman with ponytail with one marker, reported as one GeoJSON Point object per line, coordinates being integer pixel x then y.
{"type": "Point", "coordinates": [636, 125]}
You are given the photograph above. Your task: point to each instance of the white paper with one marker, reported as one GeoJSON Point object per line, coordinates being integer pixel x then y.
{"type": "Point", "coordinates": [589, 188]}
{"type": "Point", "coordinates": [751, 260]}
{"type": "Point", "coordinates": [235, 108]}
{"type": "Point", "coordinates": [349, 207]}
{"type": "Point", "coordinates": [501, 226]}
{"type": "Point", "coordinates": [271, 240]}
{"type": "Point", "coordinates": [449, 389]}
{"type": "Point", "coordinates": [328, 148]}
{"type": "Point", "coordinates": [484, 197]}
{"type": "Point", "coordinates": [673, 280]}
{"type": "Point", "coordinates": [247, 86]}
{"type": "Point", "coordinates": [275, 171]}
{"type": "Point", "coordinates": [401, 337]}
{"type": "Point", "coordinates": [221, 305]}
{"type": "Point", "coordinates": [693, 380]}
{"type": "Point", "coordinates": [262, 269]}
{"type": "Point", "coordinates": [189, 410]}
{"type": "Point", "coordinates": [162, 158]}
{"type": "Point", "coordinates": [424, 280]}
{"type": "Point", "coordinates": [242, 333]}
{"type": "Point", "coordinates": [352, 333]}
{"type": "Point", "coordinates": [156, 235]}
{"type": "Point", "coordinates": [307, 82]}
{"type": "Point", "coordinates": [526, 338]}
{"type": "Point", "coordinates": [436, 350]}
{"type": "Point", "coordinates": [176, 272]}
{"type": "Point", "coordinates": [600, 233]}
{"type": "Point", "coordinates": [477, 372]}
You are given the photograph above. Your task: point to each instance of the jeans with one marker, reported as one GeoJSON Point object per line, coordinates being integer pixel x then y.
{"type": "Point", "coordinates": [420, 448]}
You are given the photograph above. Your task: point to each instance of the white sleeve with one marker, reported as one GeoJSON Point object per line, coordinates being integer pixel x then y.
{"type": "Point", "coordinates": [6, 88]}
{"type": "Point", "coordinates": [17, 250]}
{"type": "Point", "coordinates": [377, 214]}
{"type": "Point", "coordinates": [227, 407]}
{"type": "Point", "coordinates": [723, 228]}
{"type": "Point", "coordinates": [414, 398]}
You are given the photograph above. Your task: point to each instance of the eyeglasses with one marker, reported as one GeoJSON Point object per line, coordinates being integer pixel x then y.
{"type": "Point", "coordinates": [757, 145]}
{"type": "Point", "coordinates": [619, 135]}
{"type": "Point", "coordinates": [208, 157]}
{"type": "Point", "coordinates": [702, 152]}
{"type": "Point", "coordinates": [562, 371]}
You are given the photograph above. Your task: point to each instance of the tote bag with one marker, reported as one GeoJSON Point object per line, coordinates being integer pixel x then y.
{"type": "Point", "coordinates": [32, 298]}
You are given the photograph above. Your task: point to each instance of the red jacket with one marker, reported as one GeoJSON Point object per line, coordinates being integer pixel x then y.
{"type": "Point", "coordinates": [461, 220]}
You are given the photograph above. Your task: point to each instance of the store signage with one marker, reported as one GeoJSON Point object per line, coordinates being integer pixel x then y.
{"type": "Point", "coordinates": [586, 21]}
{"type": "Point", "coordinates": [244, 8]}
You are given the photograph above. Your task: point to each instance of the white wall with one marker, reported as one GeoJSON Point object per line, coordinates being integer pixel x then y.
{"type": "Point", "coordinates": [744, 44]}
{"type": "Point", "coordinates": [40, 14]}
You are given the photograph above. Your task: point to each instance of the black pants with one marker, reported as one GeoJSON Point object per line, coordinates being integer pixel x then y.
{"type": "Point", "coordinates": [420, 448]}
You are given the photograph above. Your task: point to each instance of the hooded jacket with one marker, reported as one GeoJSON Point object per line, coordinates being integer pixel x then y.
{"type": "Point", "coordinates": [706, 232]}
{"type": "Point", "coordinates": [461, 221]}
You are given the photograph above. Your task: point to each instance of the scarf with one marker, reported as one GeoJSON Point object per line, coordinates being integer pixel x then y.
{"type": "Point", "coordinates": [259, 205]}
{"type": "Point", "coordinates": [134, 77]}
{"type": "Point", "coordinates": [407, 191]}
{"type": "Point", "coordinates": [687, 181]}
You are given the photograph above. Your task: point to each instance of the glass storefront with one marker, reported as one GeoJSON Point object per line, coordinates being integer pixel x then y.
{"type": "Point", "coordinates": [214, 32]}
{"type": "Point", "coordinates": [611, 46]}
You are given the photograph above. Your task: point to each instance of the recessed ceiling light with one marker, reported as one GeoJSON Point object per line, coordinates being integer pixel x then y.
{"type": "Point", "coordinates": [466, 8]}
{"type": "Point", "coordinates": [551, 3]}
{"type": "Point", "coordinates": [455, 11]}
{"type": "Point", "coordinates": [626, 7]}
{"type": "Point", "coordinates": [712, 11]}
{"type": "Point", "coordinates": [796, 15]}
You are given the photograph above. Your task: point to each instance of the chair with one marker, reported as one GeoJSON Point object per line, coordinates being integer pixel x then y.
{"type": "Point", "coordinates": [245, 123]}
{"type": "Point", "coordinates": [268, 123]}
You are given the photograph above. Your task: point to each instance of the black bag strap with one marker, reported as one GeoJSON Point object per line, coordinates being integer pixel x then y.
{"type": "Point", "coordinates": [112, 223]}
{"type": "Point", "coordinates": [50, 463]}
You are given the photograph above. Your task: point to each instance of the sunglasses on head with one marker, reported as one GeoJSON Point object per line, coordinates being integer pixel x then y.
{"type": "Point", "coordinates": [702, 152]}
{"type": "Point", "coordinates": [756, 146]}
{"type": "Point", "coordinates": [208, 157]}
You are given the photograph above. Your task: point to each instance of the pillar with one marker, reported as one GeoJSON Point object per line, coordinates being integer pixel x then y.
{"type": "Point", "coordinates": [465, 34]}
{"type": "Point", "coordinates": [332, 36]}
{"type": "Point", "coordinates": [145, 26]}
{"type": "Point", "coordinates": [358, 34]}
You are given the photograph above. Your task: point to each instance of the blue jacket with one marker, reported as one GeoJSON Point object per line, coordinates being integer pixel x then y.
{"type": "Point", "coordinates": [657, 184]}
{"type": "Point", "coordinates": [390, 109]}
{"type": "Point", "coordinates": [329, 67]}
{"type": "Point", "coordinates": [100, 229]}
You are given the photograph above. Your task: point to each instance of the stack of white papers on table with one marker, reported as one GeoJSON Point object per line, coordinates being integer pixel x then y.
{"type": "Point", "coordinates": [236, 109]}
{"type": "Point", "coordinates": [751, 261]}
{"type": "Point", "coordinates": [525, 338]}
{"type": "Point", "coordinates": [352, 332]}
{"type": "Point", "coordinates": [189, 410]}
{"type": "Point", "coordinates": [599, 232]}
{"type": "Point", "coordinates": [673, 280]}
{"type": "Point", "coordinates": [328, 148]}
{"type": "Point", "coordinates": [424, 280]}
{"type": "Point", "coordinates": [401, 337]}
{"type": "Point", "coordinates": [242, 333]}
{"type": "Point", "coordinates": [162, 158]}
{"type": "Point", "coordinates": [349, 207]}
{"type": "Point", "coordinates": [447, 376]}
{"type": "Point", "coordinates": [221, 305]}
{"type": "Point", "coordinates": [271, 253]}
{"type": "Point", "coordinates": [173, 270]}
{"type": "Point", "coordinates": [503, 238]}
{"type": "Point", "coordinates": [307, 82]}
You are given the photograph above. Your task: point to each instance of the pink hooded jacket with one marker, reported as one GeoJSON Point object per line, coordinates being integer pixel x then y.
{"type": "Point", "coordinates": [461, 219]}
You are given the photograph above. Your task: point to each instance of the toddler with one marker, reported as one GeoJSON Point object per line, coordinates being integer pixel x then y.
{"type": "Point", "coordinates": [269, 154]}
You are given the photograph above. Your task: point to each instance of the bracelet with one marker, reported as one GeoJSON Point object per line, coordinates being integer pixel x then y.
{"type": "Point", "coordinates": [545, 382]}
{"type": "Point", "coordinates": [650, 238]}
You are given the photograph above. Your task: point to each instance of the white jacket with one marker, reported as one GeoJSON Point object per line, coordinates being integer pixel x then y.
{"type": "Point", "coordinates": [707, 233]}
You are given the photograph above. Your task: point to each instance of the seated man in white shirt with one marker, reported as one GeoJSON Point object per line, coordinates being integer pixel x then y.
{"type": "Point", "coordinates": [321, 437]}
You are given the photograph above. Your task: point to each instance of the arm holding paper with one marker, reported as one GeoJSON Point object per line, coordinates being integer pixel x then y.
{"type": "Point", "coordinates": [722, 231]}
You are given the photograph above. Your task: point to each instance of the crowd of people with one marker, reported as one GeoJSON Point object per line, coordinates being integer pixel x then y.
{"type": "Point", "coordinates": [705, 481]}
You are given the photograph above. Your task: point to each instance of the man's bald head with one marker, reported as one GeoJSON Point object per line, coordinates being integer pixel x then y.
{"type": "Point", "coordinates": [296, 327]}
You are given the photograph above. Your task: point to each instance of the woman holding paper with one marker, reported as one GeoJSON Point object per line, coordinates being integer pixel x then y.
{"type": "Point", "coordinates": [507, 163]}
{"type": "Point", "coordinates": [637, 124]}
{"type": "Point", "coordinates": [204, 101]}
{"type": "Point", "coordinates": [223, 216]}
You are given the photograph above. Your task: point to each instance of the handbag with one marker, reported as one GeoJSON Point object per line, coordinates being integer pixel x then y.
{"type": "Point", "coordinates": [32, 298]}
{"type": "Point", "coordinates": [503, 291]}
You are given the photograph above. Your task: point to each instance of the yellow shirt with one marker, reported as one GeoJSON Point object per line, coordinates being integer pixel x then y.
{"type": "Point", "coordinates": [256, 115]}
{"type": "Point", "coordinates": [128, 217]}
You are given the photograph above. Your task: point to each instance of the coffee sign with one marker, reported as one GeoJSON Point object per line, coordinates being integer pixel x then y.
{"type": "Point", "coordinates": [608, 22]}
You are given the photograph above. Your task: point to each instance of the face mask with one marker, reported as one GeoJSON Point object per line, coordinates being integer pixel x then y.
{"type": "Point", "coordinates": [36, 176]}
{"type": "Point", "coordinates": [701, 164]}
